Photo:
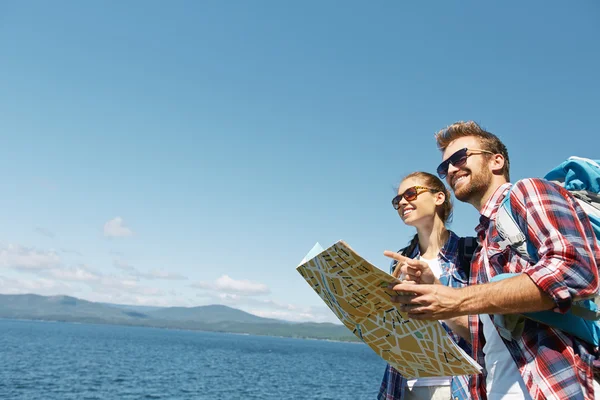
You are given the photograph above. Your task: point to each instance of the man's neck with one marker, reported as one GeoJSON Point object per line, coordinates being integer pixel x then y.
{"type": "Point", "coordinates": [480, 202]}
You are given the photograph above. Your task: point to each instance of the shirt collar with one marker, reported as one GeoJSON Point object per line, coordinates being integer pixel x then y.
{"type": "Point", "coordinates": [490, 208]}
{"type": "Point", "coordinates": [447, 252]}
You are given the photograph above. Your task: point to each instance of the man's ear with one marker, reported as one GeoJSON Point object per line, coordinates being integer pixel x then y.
{"type": "Point", "coordinates": [497, 163]}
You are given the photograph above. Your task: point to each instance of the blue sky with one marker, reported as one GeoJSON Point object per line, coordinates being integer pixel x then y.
{"type": "Point", "coordinates": [191, 153]}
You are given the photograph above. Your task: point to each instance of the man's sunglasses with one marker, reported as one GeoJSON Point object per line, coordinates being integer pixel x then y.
{"type": "Point", "coordinates": [411, 194]}
{"type": "Point", "coordinates": [458, 159]}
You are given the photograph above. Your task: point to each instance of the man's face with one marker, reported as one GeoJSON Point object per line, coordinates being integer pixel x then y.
{"type": "Point", "coordinates": [471, 180]}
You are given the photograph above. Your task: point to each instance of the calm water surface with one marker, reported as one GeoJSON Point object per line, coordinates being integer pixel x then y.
{"type": "Point", "coordinates": [55, 361]}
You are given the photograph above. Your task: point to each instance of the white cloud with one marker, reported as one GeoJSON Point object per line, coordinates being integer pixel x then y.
{"type": "Point", "coordinates": [53, 275]}
{"type": "Point", "coordinates": [269, 308]}
{"type": "Point", "coordinates": [19, 257]}
{"type": "Point", "coordinates": [44, 232]}
{"type": "Point", "coordinates": [99, 283]}
{"type": "Point", "coordinates": [235, 300]}
{"type": "Point", "coordinates": [41, 286]}
{"type": "Point", "coordinates": [77, 274]}
{"type": "Point", "coordinates": [116, 228]}
{"type": "Point", "coordinates": [158, 274]}
{"type": "Point", "coordinates": [124, 265]}
{"type": "Point", "coordinates": [74, 252]}
{"type": "Point", "coordinates": [306, 315]}
{"type": "Point", "coordinates": [279, 306]}
{"type": "Point", "coordinates": [115, 285]}
{"type": "Point", "coordinates": [227, 285]}
{"type": "Point", "coordinates": [120, 297]}
{"type": "Point", "coordinates": [154, 274]}
{"type": "Point", "coordinates": [229, 298]}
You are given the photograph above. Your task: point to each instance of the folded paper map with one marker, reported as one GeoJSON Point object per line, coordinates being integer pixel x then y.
{"type": "Point", "coordinates": [357, 293]}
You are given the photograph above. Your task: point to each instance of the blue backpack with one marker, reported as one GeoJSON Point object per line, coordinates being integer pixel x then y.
{"type": "Point", "coordinates": [581, 177]}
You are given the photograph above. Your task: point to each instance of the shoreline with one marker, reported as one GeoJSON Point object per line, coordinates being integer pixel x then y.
{"type": "Point", "coordinates": [177, 329]}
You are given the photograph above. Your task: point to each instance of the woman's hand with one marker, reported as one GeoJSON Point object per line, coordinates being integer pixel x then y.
{"type": "Point", "coordinates": [411, 270]}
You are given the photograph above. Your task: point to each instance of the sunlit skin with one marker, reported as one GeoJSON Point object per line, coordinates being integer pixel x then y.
{"type": "Point", "coordinates": [420, 213]}
{"type": "Point", "coordinates": [474, 182]}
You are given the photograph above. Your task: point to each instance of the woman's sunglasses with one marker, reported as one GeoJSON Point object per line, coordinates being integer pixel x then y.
{"type": "Point", "coordinates": [411, 194]}
{"type": "Point", "coordinates": [458, 159]}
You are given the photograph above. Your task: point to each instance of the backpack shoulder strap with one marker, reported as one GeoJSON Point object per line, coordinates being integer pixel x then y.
{"type": "Point", "coordinates": [513, 236]}
{"type": "Point", "coordinates": [466, 249]}
{"type": "Point", "coordinates": [509, 230]}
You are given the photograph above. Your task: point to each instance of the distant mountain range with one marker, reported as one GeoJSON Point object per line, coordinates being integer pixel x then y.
{"type": "Point", "coordinates": [214, 318]}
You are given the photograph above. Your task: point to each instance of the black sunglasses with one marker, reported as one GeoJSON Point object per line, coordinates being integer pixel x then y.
{"type": "Point", "coordinates": [458, 159]}
{"type": "Point", "coordinates": [411, 194]}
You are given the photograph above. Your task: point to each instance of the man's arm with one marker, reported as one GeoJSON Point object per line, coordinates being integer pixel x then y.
{"type": "Point", "coordinates": [558, 229]}
{"type": "Point", "coordinates": [511, 296]}
{"type": "Point", "coordinates": [567, 268]}
{"type": "Point", "coordinates": [514, 295]}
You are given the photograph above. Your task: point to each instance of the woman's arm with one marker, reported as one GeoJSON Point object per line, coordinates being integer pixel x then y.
{"type": "Point", "coordinates": [460, 325]}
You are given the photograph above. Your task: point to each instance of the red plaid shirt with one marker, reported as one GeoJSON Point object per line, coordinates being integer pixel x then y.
{"type": "Point", "coordinates": [553, 364]}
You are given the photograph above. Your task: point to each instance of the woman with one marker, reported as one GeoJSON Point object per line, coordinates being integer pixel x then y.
{"type": "Point", "coordinates": [424, 202]}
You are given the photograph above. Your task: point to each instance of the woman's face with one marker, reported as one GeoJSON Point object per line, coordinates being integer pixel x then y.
{"type": "Point", "coordinates": [422, 208]}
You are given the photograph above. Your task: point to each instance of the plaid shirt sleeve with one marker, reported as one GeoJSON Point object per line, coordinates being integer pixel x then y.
{"type": "Point", "coordinates": [553, 364]}
{"type": "Point", "coordinates": [556, 226]}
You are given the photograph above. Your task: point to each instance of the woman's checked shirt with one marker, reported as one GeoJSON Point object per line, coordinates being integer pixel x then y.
{"type": "Point", "coordinates": [393, 385]}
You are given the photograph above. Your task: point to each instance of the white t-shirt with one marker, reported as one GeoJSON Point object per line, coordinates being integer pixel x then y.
{"type": "Point", "coordinates": [508, 384]}
{"type": "Point", "coordinates": [436, 268]}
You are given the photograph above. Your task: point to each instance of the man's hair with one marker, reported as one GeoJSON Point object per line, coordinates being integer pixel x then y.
{"type": "Point", "coordinates": [488, 140]}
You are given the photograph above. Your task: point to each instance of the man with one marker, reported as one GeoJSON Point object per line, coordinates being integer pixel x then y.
{"type": "Point", "coordinates": [541, 362]}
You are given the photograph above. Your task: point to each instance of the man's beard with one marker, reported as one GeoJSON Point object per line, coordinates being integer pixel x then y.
{"type": "Point", "coordinates": [475, 188]}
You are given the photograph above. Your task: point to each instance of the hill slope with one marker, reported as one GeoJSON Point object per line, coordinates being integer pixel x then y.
{"type": "Point", "coordinates": [216, 318]}
{"type": "Point", "coordinates": [212, 314]}
{"type": "Point", "coordinates": [32, 306]}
